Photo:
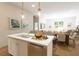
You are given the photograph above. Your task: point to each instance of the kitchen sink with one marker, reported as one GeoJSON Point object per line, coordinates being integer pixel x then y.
{"type": "Point", "coordinates": [25, 36]}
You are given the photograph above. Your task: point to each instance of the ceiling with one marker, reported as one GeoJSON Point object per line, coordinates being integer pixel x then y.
{"type": "Point", "coordinates": [48, 7]}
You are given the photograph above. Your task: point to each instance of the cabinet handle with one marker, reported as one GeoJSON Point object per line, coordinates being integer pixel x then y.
{"type": "Point", "coordinates": [37, 45]}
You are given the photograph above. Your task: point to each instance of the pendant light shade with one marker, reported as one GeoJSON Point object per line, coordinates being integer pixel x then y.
{"type": "Point", "coordinates": [22, 16]}
{"type": "Point", "coordinates": [39, 9]}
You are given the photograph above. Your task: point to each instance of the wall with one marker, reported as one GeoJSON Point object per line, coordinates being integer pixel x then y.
{"type": "Point", "coordinates": [68, 17]}
{"type": "Point", "coordinates": [8, 11]}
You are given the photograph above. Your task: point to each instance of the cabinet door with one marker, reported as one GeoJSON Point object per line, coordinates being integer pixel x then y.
{"type": "Point", "coordinates": [23, 49]}
{"type": "Point", "coordinates": [13, 46]}
{"type": "Point", "coordinates": [17, 47]}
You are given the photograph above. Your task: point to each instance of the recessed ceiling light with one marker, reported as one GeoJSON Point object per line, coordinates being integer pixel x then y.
{"type": "Point", "coordinates": [33, 5]}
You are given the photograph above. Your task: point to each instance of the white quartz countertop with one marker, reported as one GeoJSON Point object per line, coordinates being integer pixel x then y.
{"type": "Point", "coordinates": [28, 38]}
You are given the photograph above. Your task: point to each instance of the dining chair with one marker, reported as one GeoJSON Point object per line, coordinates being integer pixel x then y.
{"type": "Point", "coordinates": [72, 37]}
{"type": "Point", "coordinates": [61, 37]}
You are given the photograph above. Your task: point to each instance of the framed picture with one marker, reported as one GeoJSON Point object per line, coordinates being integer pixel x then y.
{"type": "Point", "coordinates": [42, 26]}
{"type": "Point", "coordinates": [58, 24]}
{"type": "Point", "coordinates": [15, 24]}
{"type": "Point", "coordinates": [24, 24]}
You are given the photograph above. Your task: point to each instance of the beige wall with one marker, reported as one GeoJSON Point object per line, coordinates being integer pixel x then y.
{"type": "Point", "coordinates": [8, 11]}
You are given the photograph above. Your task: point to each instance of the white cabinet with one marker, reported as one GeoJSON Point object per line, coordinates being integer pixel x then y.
{"type": "Point", "coordinates": [23, 48]}
{"type": "Point", "coordinates": [17, 47]}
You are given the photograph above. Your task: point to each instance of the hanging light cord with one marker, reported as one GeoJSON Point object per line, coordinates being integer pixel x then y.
{"type": "Point", "coordinates": [22, 7]}
{"type": "Point", "coordinates": [22, 14]}
{"type": "Point", "coordinates": [39, 9]}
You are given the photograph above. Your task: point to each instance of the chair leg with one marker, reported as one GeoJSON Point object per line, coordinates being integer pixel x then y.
{"type": "Point", "coordinates": [55, 42]}
{"type": "Point", "coordinates": [74, 44]}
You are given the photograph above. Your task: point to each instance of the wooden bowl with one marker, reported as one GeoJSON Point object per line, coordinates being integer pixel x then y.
{"type": "Point", "coordinates": [38, 35]}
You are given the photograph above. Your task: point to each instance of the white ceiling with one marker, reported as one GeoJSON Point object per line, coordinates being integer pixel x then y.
{"type": "Point", "coordinates": [48, 7]}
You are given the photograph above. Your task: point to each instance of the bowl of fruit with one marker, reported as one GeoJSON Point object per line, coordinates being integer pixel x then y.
{"type": "Point", "coordinates": [38, 35]}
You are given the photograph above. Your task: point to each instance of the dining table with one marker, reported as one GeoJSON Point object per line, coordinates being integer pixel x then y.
{"type": "Point", "coordinates": [66, 36]}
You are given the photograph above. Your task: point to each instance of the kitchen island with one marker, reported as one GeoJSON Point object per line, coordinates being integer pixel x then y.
{"type": "Point", "coordinates": [18, 44]}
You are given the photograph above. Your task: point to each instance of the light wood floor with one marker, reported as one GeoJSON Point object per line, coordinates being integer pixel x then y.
{"type": "Point", "coordinates": [4, 51]}
{"type": "Point", "coordinates": [61, 50]}
{"type": "Point", "coordinates": [58, 50]}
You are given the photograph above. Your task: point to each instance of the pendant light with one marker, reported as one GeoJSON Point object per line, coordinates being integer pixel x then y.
{"type": "Point", "coordinates": [39, 9]}
{"type": "Point", "coordinates": [22, 14]}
